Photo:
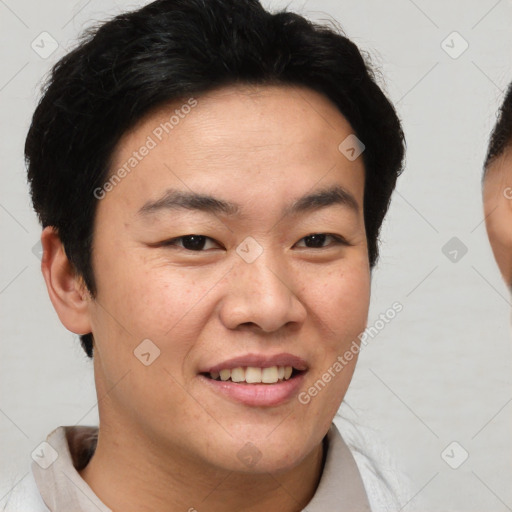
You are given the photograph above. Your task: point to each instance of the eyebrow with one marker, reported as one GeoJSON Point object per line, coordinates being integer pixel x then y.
{"type": "Point", "coordinates": [174, 199]}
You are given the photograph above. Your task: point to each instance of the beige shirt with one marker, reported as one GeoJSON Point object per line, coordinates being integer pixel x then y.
{"type": "Point", "coordinates": [63, 490]}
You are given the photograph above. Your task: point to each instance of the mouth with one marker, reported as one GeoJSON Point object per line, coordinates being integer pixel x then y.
{"type": "Point", "coordinates": [254, 374]}
{"type": "Point", "coordinates": [256, 380]}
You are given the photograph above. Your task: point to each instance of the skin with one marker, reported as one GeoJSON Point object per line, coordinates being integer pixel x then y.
{"type": "Point", "coordinates": [166, 440]}
{"type": "Point", "coordinates": [497, 197]}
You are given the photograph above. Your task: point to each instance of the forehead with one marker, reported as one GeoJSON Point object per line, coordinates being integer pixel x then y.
{"type": "Point", "coordinates": [272, 115]}
{"type": "Point", "coordinates": [259, 138]}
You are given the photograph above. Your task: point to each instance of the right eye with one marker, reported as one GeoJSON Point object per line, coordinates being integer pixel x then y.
{"type": "Point", "coordinates": [193, 243]}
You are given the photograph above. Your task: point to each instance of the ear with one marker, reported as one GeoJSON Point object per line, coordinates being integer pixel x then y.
{"type": "Point", "coordinates": [68, 293]}
{"type": "Point", "coordinates": [497, 196]}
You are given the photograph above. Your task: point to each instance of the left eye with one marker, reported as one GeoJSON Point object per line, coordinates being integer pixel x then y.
{"type": "Point", "coordinates": [197, 242]}
{"type": "Point", "coordinates": [318, 238]}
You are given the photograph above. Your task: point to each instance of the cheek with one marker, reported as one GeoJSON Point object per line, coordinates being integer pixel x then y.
{"type": "Point", "coordinates": [341, 312]}
{"type": "Point", "coordinates": [156, 301]}
{"type": "Point", "coordinates": [341, 301]}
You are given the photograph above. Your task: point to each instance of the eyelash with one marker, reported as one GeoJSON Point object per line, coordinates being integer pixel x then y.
{"type": "Point", "coordinates": [337, 239]}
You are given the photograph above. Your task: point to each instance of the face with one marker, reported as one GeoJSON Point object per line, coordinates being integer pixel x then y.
{"type": "Point", "coordinates": [250, 284]}
{"type": "Point", "coordinates": [497, 196]}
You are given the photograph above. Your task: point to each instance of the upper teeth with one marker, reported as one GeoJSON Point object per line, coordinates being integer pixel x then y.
{"type": "Point", "coordinates": [252, 374]}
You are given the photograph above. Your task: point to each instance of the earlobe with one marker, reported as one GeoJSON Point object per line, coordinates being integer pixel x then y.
{"type": "Point", "coordinates": [67, 291]}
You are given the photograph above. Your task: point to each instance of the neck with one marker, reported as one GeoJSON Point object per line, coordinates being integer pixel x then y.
{"type": "Point", "coordinates": [129, 474]}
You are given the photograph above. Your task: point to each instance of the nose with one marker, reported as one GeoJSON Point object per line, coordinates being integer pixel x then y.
{"type": "Point", "coordinates": [262, 294]}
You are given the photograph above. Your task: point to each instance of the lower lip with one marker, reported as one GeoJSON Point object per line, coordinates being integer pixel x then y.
{"type": "Point", "coordinates": [257, 395]}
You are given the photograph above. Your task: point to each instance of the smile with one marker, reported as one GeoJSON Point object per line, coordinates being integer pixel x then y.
{"type": "Point", "coordinates": [256, 380]}
{"type": "Point", "coordinates": [254, 375]}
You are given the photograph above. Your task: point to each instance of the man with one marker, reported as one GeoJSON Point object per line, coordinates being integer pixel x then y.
{"type": "Point", "coordinates": [211, 179]}
{"type": "Point", "coordinates": [497, 190]}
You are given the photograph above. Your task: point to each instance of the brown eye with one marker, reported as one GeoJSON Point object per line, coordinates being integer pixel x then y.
{"type": "Point", "coordinates": [316, 240]}
{"type": "Point", "coordinates": [189, 242]}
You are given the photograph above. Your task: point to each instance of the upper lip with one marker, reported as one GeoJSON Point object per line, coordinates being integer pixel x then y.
{"type": "Point", "coordinates": [259, 361]}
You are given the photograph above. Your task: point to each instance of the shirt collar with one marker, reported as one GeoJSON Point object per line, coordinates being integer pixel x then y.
{"type": "Point", "coordinates": [55, 470]}
{"type": "Point", "coordinates": [68, 449]}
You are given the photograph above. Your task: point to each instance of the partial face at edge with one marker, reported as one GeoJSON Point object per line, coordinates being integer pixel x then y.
{"type": "Point", "coordinates": [497, 197]}
{"type": "Point", "coordinates": [201, 302]}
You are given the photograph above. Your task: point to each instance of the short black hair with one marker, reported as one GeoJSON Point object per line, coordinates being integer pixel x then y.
{"type": "Point", "coordinates": [128, 66]}
{"type": "Point", "coordinates": [501, 136]}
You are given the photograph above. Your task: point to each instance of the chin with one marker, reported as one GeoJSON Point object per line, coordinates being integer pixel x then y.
{"type": "Point", "coordinates": [275, 453]}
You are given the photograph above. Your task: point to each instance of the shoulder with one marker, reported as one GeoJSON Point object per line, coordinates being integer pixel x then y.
{"type": "Point", "coordinates": [388, 488]}
{"type": "Point", "coordinates": [20, 494]}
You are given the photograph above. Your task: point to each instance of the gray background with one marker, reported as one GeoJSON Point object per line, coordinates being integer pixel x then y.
{"type": "Point", "coordinates": [441, 370]}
